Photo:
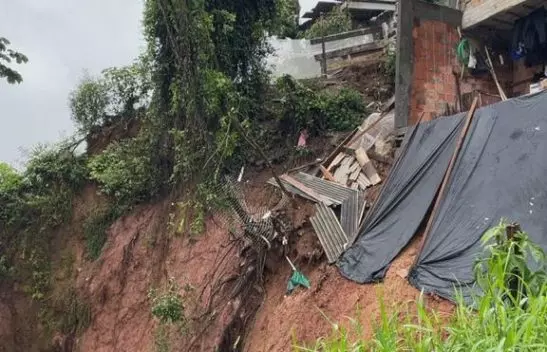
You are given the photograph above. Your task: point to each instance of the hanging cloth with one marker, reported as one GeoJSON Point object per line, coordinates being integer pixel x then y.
{"type": "Point", "coordinates": [530, 38]}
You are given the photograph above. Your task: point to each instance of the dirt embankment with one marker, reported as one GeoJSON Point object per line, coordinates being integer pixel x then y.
{"type": "Point", "coordinates": [140, 254]}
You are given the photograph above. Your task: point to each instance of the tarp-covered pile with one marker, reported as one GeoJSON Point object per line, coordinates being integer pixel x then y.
{"type": "Point", "coordinates": [500, 172]}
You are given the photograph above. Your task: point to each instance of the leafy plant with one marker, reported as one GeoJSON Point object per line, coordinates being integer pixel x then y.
{"type": "Point", "coordinates": [304, 108]}
{"type": "Point", "coordinates": [389, 65]}
{"type": "Point", "coordinates": [336, 21]}
{"type": "Point", "coordinates": [168, 307]}
{"type": "Point", "coordinates": [125, 171]}
{"type": "Point", "coordinates": [88, 103]}
{"type": "Point", "coordinates": [118, 92]}
{"type": "Point", "coordinates": [6, 57]}
{"type": "Point", "coordinates": [285, 22]}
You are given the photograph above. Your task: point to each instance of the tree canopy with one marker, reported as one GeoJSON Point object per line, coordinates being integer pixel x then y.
{"type": "Point", "coordinates": [8, 56]}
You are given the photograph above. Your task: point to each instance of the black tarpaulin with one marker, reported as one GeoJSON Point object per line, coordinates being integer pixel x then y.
{"type": "Point", "coordinates": [404, 201]}
{"type": "Point", "coordinates": [501, 172]}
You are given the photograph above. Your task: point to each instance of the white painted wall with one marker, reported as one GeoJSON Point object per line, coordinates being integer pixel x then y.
{"type": "Point", "coordinates": [295, 57]}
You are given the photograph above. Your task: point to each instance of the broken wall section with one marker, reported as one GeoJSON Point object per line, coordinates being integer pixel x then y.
{"type": "Point", "coordinates": [428, 72]}
{"type": "Point", "coordinates": [436, 71]}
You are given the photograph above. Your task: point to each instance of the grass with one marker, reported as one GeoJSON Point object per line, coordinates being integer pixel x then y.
{"type": "Point", "coordinates": [509, 315]}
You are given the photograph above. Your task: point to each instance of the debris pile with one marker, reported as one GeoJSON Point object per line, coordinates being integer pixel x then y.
{"type": "Point", "coordinates": [338, 184]}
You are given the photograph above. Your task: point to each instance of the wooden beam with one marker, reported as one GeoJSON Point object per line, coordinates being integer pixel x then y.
{"type": "Point", "coordinates": [374, 46]}
{"type": "Point", "coordinates": [447, 175]}
{"type": "Point", "coordinates": [477, 14]}
{"type": "Point", "coordinates": [350, 34]}
{"type": "Point", "coordinates": [370, 5]}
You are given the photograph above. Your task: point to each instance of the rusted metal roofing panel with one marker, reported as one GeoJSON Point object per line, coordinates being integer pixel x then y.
{"type": "Point", "coordinates": [329, 231]}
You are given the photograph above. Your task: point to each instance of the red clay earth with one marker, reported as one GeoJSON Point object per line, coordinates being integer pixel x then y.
{"type": "Point", "coordinates": [119, 282]}
{"type": "Point", "coordinates": [140, 254]}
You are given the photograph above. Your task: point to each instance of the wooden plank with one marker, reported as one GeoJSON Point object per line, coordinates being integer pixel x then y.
{"type": "Point", "coordinates": [355, 175]}
{"type": "Point", "coordinates": [447, 175]}
{"type": "Point", "coordinates": [489, 8]}
{"type": "Point", "coordinates": [348, 34]}
{"type": "Point", "coordinates": [363, 181]}
{"type": "Point", "coordinates": [337, 150]}
{"type": "Point", "coordinates": [342, 173]}
{"type": "Point", "coordinates": [336, 160]}
{"type": "Point", "coordinates": [366, 165]}
{"type": "Point", "coordinates": [326, 173]}
{"type": "Point", "coordinates": [362, 48]}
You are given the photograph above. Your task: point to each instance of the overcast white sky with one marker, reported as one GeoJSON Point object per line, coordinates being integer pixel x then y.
{"type": "Point", "coordinates": [61, 38]}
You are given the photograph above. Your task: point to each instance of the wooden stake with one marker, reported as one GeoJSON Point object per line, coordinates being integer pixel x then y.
{"type": "Point", "coordinates": [493, 73]}
{"type": "Point", "coordinates": [447, 176]}
{"type": "Point", "coordinates": [326, 173]}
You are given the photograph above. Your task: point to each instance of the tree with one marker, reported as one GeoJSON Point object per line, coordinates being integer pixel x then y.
{"type": "Point", "coordinates": [118, 92]}
{"type": "Point", "coordinates": [6, 57]}
{"type": "Point", "coordinates": [285, 22]}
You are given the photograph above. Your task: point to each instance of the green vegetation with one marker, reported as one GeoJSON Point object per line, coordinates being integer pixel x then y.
{"type": "Point", "coordinates": [286, 20]}
{"type": "Point", "coordinates": [7, 56]}
{"type": "Point", "coordinates": [168, 307]}
{"type": "Point", "coordinates": [303, 107]}
{"type": "Point", "coordinates": [508, 315]}
{"type": "Point", "coordinates": [35, 203]}
{"type": "Point", "coordinates": [117, 93]}
{"type": "Point", "coordinates": [95, 228]}
{"type": "Point", "coordinates": [336, 21]}
{"type": "Point", "coordinates": [199, 87]}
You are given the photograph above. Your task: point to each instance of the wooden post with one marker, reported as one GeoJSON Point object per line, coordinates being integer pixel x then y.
{"type": "Point", "coordinates": [323, 49]}
{"type": "Point", "coordinates": [447, 175]}
{"type": "Point", "coordinates": [493, 73]}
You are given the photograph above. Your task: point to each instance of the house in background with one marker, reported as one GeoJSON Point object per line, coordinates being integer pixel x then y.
{"type": "Point", "coordinates": [361, 11]}
{"type": "Point", "coordinates": [431, 55]}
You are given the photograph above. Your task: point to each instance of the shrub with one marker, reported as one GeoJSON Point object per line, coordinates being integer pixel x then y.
{"type": "Point", "coordinates": [336, 21]}
{"type": "Point", "coordinates": [126, 171]}
{"type": "Point", "coordinates": [117, 92]}
{"type": "Point", "coordinates": [168, 307]}
{"type": "Point", "coordinates": [302, 107]}
{"type": "Point", "coordinates": [88, 103]}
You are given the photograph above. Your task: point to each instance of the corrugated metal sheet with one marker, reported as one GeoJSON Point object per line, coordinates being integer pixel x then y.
{"type": "Point", "coordinates": [349, 214]}
{"type": "Point", "coordinates": [302, 193]}
{"type": "Point", "coordinates": [335, 191]}
{"type": "Point", "coordinates": [329, 231]}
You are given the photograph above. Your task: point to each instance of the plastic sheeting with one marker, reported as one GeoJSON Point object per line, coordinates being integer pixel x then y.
{"type": "Point", "coordinates": [501, 172]}
{"type": "Point", "coordinates": [404, 201]}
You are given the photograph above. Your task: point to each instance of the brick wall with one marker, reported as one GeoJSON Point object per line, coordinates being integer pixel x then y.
{"type": "Point", "coordinates": [434, 89]}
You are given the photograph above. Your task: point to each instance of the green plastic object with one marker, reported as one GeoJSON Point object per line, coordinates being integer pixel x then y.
{"type": "Point", "coordinates": [297, 279]}
{"type": "Point", "coordinates": [463, 50]}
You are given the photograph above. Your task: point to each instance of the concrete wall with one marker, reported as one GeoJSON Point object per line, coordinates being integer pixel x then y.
{"type": "Point", "coordinates": [295, 57]}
